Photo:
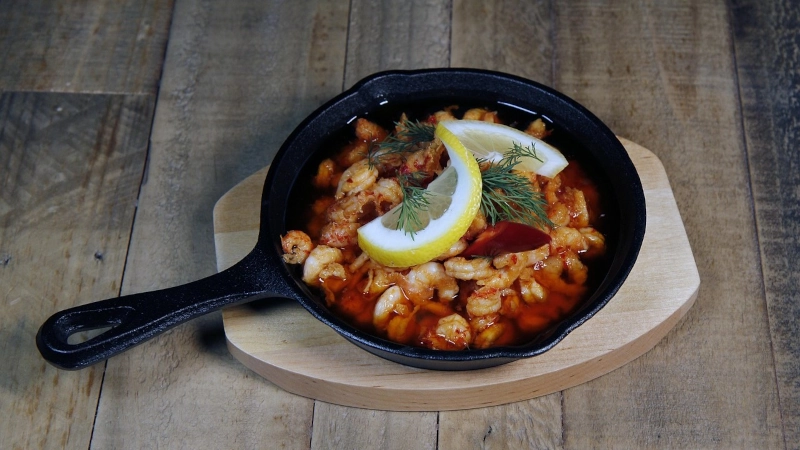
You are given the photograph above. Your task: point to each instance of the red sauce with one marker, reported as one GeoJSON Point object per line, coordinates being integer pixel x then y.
{"type": "Point", "coordinates": [520, 321]}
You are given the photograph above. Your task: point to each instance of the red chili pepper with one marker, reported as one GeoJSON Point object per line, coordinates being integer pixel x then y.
{"type": "Point", "coordinates": [506, 237]}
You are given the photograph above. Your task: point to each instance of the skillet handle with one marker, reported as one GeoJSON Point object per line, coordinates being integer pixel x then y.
{"type": "Point", "coordinates": [139, 317]}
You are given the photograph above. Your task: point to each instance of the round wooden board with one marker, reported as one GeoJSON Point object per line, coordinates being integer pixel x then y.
{"type": "Point", "coordinates": [280, 341]}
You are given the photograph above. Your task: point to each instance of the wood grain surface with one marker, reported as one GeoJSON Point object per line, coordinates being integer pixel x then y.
{"type": "Point", "coordinates": [766, 44]}
{"type": "Point", "coordinates": [709, 86]}
{"type": "Point", "coordinates": [104, 46]}
{"type": "Point", "coordinates": [70, 169]}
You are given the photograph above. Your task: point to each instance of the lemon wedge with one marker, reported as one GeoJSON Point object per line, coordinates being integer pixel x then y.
{"type": "Point", "coordinates": [454, 199]}
{"type": "Point", "coordinates": [490, 141]}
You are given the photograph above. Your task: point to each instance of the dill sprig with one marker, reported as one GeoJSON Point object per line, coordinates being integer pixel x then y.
{"type": "Point", "coordinates": [510, 196]}
{"type": "Point", "coordinates": [415, 200]}
{"type": "Point", "coordinates": [404, 141]}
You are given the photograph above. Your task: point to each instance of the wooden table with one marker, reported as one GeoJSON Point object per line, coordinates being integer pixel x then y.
{"type": "Point", "coordinates": [123, 122]}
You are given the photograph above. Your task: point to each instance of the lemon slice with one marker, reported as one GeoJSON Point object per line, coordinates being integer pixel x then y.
{"type": "Point", "coordinates": [454, 199]}
{"type": "Point", "coordinates": [491, 141]}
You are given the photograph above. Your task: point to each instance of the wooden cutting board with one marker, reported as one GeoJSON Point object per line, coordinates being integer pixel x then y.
{"type": "Point", "coordinates": [283, 343]}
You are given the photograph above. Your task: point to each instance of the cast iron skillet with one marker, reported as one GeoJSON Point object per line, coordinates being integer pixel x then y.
{"type": "Point", "coordinates": [262, 273]}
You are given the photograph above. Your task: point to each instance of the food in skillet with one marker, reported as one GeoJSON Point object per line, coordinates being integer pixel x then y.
{"type": "Point", "coordinates": [450, 233]}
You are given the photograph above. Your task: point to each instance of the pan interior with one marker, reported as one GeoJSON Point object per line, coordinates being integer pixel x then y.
{"type": "Point", "coordinates": [579, 135]}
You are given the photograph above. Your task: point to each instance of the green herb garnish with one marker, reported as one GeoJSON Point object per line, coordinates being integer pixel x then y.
{"type": "Point", "coordinates": [510, 196]}
{"type": "Point", "coordinates": [415, 200]}
{"type": "Point", "coordinates": [405, 141]}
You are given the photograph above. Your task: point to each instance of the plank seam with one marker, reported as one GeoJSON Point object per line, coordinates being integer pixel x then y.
{"type": "Point", "coordinates": [142, 181]}
{"type": "Point", "coordinates": [756, 224]}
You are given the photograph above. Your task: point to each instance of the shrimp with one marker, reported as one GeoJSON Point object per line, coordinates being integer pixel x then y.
{"type": "Point", "coordinates": [359, 262]}
{"type": "Point", "coordinates": [530, 289]}
{"type": "Point", "coordinates": [551, 188]}
{"type": "Point", "coordinates": [454, 250]}
{"type": "Point", "coordinates": [441, 116]}
{"type": "Point", "coordinates": [349, 209]}
{"type": "Point", "coordinates": [550, 273]}
{"type": "Point", "coordinates": [455, 330]}
{"type": "Point", "coordinates": [481, 114]}
{"type": "Point", "coordinates": [356, 178]}
{"type": "Point", "coordinates": [559, 215]}
{"type": "Point", "coordinates": [488, 336]}
{"type": "Point", "coordinates": [595, 241]}
{"type": "Point", "coordinates": [508, 268]}
{"type": "Point", "coordinates": [477, 226]}
{"type": "Point", "coordinates": [485, 301]}
{"type": "Point", "coordinates": [392, 301]}
{"type": "Point", "coordinates": [319, 258]}
{"type": "Point", "coordinates": [352, 153]}
{"type": "Point", "coordinates": [537, 129]}
{"type": "Point", "coordinates": [379, 279]}
{"type": "Point", "coordinates": [296, 247]}
{"type": "Point", "coordinates": [327, 174]}
{"type": "Point", "coordinates": [575, 202]}
{"type": "Point", "coordinates": [566, 238]}
{"type": "Point", "coordinates": [576, 270]}
{"type": "Point", "coordinates": [387, 194]}
{"type": "Point", "coordinates": [480, 323]}
{"type": "Point", "coordinates": [526, 258]}
{"type": "Point", "coordinates": [369, 131]}
{"type": "Point", "coordinates": [428, 159]}
{"type": "Point", "coordinates": [339, 235]}
{"type": "Point", "coordinates": [421, 282]}
{"type": "Point", "coordinates": [468, 269]}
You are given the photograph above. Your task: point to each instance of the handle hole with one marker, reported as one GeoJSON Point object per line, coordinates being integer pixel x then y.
{"type": "Point", "coordinates": [85, 335]}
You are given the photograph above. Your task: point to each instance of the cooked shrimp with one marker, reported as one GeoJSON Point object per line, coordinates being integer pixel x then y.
{"type": "Point", "coordinates": [387, 194]}
{"type": "Point", "coordinates": [567, 238]}
{"type": "Point", "coordinates": [356, 178]}
{"type": "Point", "coordinates": [511, 303]}
{"type": "Point", "coordinates": [327, 174]}
{"type": "Point", "coordinates": [427, 159]}
{"type": "Point", "coordinates": [595, 240]}
{"type": "Point", "coordinates": [537, 129]}
{"type": "Point", "coordinates": [296, 247]}
{"type": "Point", "coordinates": [455, 330]}
{"type": "Point", "coordinates": [333, 270]}
{"type": "Point", "coordinates": [319, 258]}
{"type": "Point", "coordinates": [502, 278]}
{"type": "Point", "coordinates": [359, 262]}
{"type": "Point", "coordinates": [369, 131]}
{"type": "Point", "coordinates": [559, 215]}
{"type": "Point", "coordinates": [530, 289]}
{"type": "Point", "coordinates": [454, 250]}
{"type": "Point", "coordinates": [441, 116]}
{"type": "Point", "coordinates": [339, 235]}
{"type": "Point", "coordinates": [526, 258]}
{"type": "Point", "coordinates": [488, 336]}
{"type": "Point", "coordinates": [469, 269]}
{"type": "Point", "coordinates": [477, 226]}
{"type": "Point", "coordinates": [398, 329]}
{"type": "Point", "coordinates": [484, 301]}
{"type": "Point", "coordinates": [380, 278]}
{"type": "Point", "coordinates": [481, 114]}
{"type": "Point", "coordinates": [550, 273]}
{"type": "Point", "coordinates": [578, 211]}
{"type": "Point", "coordinates": [349, 209]}
{"type": "Point", "coordinates": [480, 323]}
{"type": "Point", "coordinates": [421, 282]}
{"type": "Point", "coordinates": [577, 272]}
{"type": "Point", "coordinates": [392, 301]}
{"type": "Point", "coordinates": [551, 188]}
{"type": "Point", "coordinates": [352, 153]}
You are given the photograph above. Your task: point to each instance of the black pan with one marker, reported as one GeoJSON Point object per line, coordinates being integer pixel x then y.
{"type": "Point", "coordinates": [263, 274]}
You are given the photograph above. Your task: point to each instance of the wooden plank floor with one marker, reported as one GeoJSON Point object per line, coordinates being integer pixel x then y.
{"type": "Point", "coordinates": [122, 123]}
